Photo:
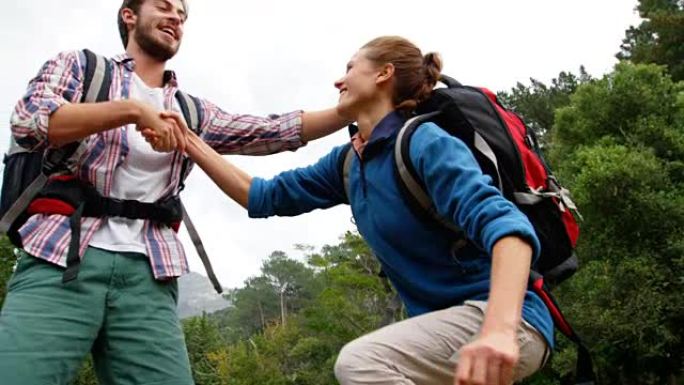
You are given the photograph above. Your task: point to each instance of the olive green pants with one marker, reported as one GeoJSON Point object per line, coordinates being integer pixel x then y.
{"type": "Point", "coordinates": [114, 309]}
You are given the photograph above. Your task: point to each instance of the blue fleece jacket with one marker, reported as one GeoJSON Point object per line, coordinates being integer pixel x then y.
{"type": "Point", "coordinates": [416, 255]}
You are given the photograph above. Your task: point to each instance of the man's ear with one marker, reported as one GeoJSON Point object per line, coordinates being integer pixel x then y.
{"type": "Point", "coordinates": [129, 17]}
{"type": "Point", "coordinates": [385, 74]}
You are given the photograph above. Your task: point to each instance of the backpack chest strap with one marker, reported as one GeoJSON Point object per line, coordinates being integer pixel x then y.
{"type": "Point", "coordinates": [64, 194]}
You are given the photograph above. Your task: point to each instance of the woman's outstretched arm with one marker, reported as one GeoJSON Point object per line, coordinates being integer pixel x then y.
{"type": "Point", "coordinates": [290, 193]}
{"type": "Point", "coordinates": [228, 177]}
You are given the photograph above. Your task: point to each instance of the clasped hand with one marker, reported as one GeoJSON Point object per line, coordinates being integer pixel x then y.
{"type": "Point", "coordinates": [164, 131]}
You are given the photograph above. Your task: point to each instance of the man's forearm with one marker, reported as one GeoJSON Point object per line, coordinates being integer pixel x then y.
{"type": "Point", "coordinates": [317, 124]}
{"type": "Point", "coordinates": [76, 121]}
{"type": "Point", "coordinates": [511, 259]}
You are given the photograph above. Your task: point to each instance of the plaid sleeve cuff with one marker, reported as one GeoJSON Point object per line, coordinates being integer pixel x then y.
{"type": "Point", "coordinates": [291, 123]}
{"type": "Point", "coordinates": [42, 118]}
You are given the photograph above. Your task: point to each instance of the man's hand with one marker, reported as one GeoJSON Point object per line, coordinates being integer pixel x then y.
{"type": "Point", "coordinates": [162, 132]}
{"type": "Point", "coordinates": [489, 360]}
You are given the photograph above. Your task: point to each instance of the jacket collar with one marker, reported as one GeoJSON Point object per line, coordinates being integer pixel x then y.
{"type": "Point", "coordinates": [385, 129]}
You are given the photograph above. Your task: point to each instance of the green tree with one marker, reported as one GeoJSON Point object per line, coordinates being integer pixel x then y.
{"type": "Point", "coordinates": [356, 299]}
{"type": "Point", "coordinates": [336, 298]}
{"type": "Point", "coordinates": [659, 38]}
{"type": "Point", "coordinates": [292, 281]}
{"type": "Point", "coordinates": [536, 103]}
{"type": "Point", "coordinates": [86, 375]}
{"type": "Point", "coordinates": [252, 362]}
{"type": "Point", "coordinates": [253, 307]}
{"type": "Point", "coordinates": [203, 340]}
{"type": "Point", "coordinates": [7, 262]}
{"type": "Point", "coordinates": [285, 286]}
{"type": "Point", "coordinates": [635, 106]}
{"type": "Point", "coordinates": [620, 146]}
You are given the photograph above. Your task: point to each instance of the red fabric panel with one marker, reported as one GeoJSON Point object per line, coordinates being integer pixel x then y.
{"type": "Point", "coordinates": [556, 315]}
{"type": "Point", "coordinates": [63, 178]}
{"type": "Point", "coordinates": [571, 227]}
{"type": "Point", "coordinates": [535, 173]}
{"type": "Point", "coordinates": [175, 226]}
{"type": "Point", "coordinates": [50, 206]}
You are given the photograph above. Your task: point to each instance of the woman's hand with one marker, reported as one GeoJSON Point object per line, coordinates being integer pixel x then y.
{"type": "Point", "coordinates": [176, 135]}
{"type": "Point", "coordinates": [233, 181]}
{"type": "Point", "coordinates": [488, 360]}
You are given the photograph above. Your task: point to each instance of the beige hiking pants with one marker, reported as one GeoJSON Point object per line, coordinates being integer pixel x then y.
{"type": "Point", "coordinates": [423, 350]}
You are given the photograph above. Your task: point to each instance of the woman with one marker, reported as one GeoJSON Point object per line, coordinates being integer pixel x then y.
{"type": "Point", "coordinates": [473, 321]}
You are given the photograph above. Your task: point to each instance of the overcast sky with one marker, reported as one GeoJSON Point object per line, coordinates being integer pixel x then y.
{"type": "Point", "coordinates": [269, 56]}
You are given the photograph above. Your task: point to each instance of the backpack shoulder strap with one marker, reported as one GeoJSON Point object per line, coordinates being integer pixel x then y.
{"type": "Point", "coordinates": [191, 108]}
{"type": "Point", "coordinates": [96, 85]}
{"type": "Point", "coordinates": [344, 167]}
{"type": "Point", "coordinates": [192, 111]}
{"type": "Point", "coordinates": [97, 79]}
{"type": "Point", "coordinates": [410, 185]}
{"type": "Point", "coordinates": [97, 82]}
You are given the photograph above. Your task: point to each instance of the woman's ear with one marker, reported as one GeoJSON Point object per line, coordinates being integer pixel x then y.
{"type": "Point", "coordinates": [385, 74]}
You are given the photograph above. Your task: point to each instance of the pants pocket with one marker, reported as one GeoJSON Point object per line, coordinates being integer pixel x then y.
{"type": "Point", "coordinates": [30, 268]}
{"type": "Point", "coordinates": [533, 351]}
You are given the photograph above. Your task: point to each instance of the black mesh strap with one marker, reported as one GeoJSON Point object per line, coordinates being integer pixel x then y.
{"type": "Point", "coordinates": [201, 252]}
{"type": "Point", "coordinates": [75, 192]}
{"type": "Point", "coordinates": [166, 211]}
{"type": "Point", "coordinates": [584, 372]}
{"type": "Point", "coordinates": [73, 259]}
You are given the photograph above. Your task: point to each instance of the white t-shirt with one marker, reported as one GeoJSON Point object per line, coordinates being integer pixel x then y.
{"type": "Point", "coordinates": [142, 176]}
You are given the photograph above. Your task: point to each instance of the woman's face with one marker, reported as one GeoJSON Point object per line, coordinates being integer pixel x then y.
{"type": "Point", "coordinates": [358, 86]}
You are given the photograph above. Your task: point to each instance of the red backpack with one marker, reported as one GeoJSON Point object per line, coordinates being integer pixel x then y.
{"type": "Point", "coordinates": [508, 151]}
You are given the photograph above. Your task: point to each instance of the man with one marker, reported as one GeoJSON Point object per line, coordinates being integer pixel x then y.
{"type": "Point", "coordinates": [122, 304]}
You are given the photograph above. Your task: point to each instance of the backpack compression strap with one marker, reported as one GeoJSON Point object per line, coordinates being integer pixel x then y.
{"type": "Point", "coordinates": [584, 372]}
{"type": "Point", "coordinates": [96, 83]}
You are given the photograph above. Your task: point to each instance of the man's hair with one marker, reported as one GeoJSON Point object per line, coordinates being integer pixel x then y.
{"type": "Point", "coordinates": [134, 5]}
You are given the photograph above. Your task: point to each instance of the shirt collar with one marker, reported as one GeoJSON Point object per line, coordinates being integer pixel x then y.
{"type": "Point", "coordinates": [129, 63]}
{"type": "Point", "coordinates": [386, 128]}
